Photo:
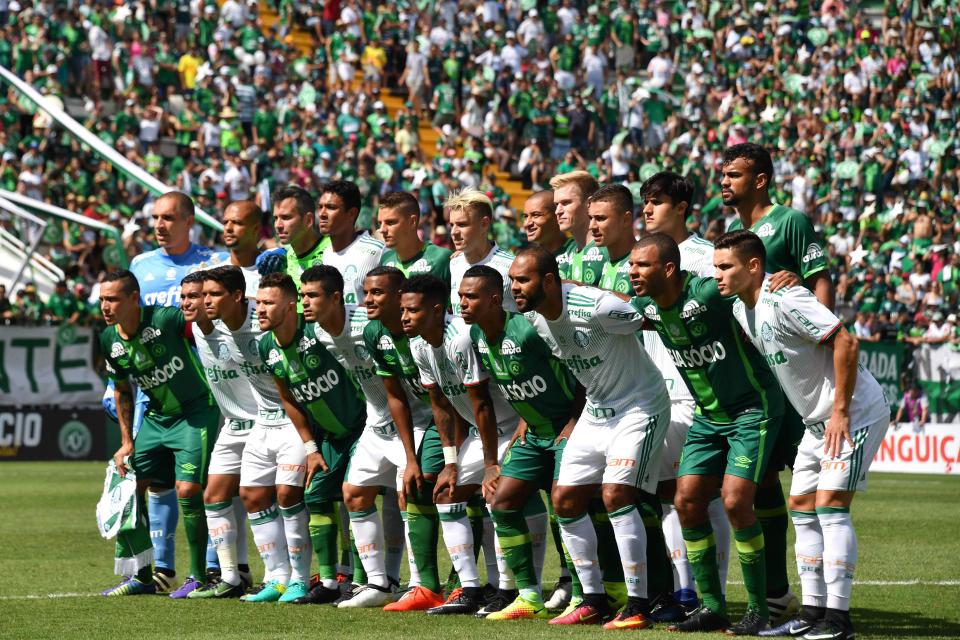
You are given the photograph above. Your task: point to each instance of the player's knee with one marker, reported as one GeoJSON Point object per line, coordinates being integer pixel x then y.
{"type": "Point", "coordinates": [690, 507]}
{"type": "Point", "coordinates": [188, 489]}
{"type": "Point", "coordinates": [618, 496]}
{"type": "Point", "coordinates": [566, 503]}
{"type": "Point", "coordinates": [807, 502]}
{"type": "Point", "coordinates": [288, 496]}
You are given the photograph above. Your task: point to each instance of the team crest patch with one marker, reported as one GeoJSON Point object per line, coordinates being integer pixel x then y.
{"type": "Point", "coordinates": [223, 352]}
{"type": "Point", "coordinates": [252, 348]}
{"type": "Point", "coordinates": [766, 332]}
{"type": "Point", "coordinates": [698, 329]}
{"type": "Point", "coordinates": [158, 350]}
{"type": "Point", "coordinates": [766, 230]}
{"type": "Point", "coordinates": [622, 286]}
{"type": "Point", "coordinates": [313, 361]}
{"type": "Point", "coordinates": [581, 338]}
{"type": "Point", "coordinates": [515, 368]}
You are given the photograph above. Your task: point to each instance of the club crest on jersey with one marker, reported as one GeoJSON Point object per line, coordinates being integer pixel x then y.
{"type": "Point", "coordinates": [158, 350]}
{"type": "Point", "coordinates": [622, 286]}
{"type": "Point", "coordinates": [171, 274]}
{"type": "Point", "coordinates": [766, 230]}
{"type": "Point", "coordinates": [252, 347]}
{"type": "Point", "coordinates": [698, 329]}
{"type": "Point", "coordinates": [361, 352]}
{"type": "Point", "coordinates": [766, 332]}
{"type": "Point", "coordinates": [692, 308]}
{"type": "Point", "coordinates": [581, 338]}
{"type": "Point", "coordinates": [515, 368]}
{"type": "Point", "coordinates": [313, 361]}
{"type": "Point", "coordinates": [223, 352]}
{"type": "Point", "coordinates": [509, 348]}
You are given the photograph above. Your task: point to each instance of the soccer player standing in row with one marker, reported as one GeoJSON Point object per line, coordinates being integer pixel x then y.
{"type": "Point", "coordinates": [232, 392]}
{"type": "Point", "coordinates": [541, 227]}
{"type": "Point", "coordinates": [295, 221]}
{"type": "Point", "coordinates": [610, 210]}
{"type": "Point", "coordinates": [324, 404]}
{"type": "Point", "coordinates": [739, 411]}
{"type": "Point", "coordinates": [398, 220]}
{"type": "Point", "coordinates": [846, 416]}
{"type": "Point", "coordinates": [616, 442]}
{"type": "Point", "coordinates": [159, 273]}
{"type": "Point", "coordinates": [352, 252]}
{"type": "Point", "coordinates": [549, 400]}
{"type": "Point", "coordinates": [408, 404]}
{"type": "Point", "coordinates": [792, 246]}
{"type": "Point", "coordinates": [666, 201]}
{"type": "Point", "coordinates": [570, 193]}
{"type": "Point", "coordinates": [471, 213]}
{"type": "Point", "coordinates": [150, 345]}
{"type": "Point", "coordinates": [340, 330]}
{"type": "Point", "coordinates": [460, 397]}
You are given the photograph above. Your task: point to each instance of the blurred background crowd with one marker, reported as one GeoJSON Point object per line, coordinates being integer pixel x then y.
{"type": "Point", "coordinates": [857, 101]}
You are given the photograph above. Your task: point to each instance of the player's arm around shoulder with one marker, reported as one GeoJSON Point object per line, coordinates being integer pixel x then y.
{"type": "Point", "coordinates": [617, 315]}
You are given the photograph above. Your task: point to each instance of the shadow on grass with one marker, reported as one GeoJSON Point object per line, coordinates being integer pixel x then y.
{"type": "Point", "coordinates": [906, 624]}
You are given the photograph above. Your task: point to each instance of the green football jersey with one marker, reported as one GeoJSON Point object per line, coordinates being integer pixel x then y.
{"type": "Point", "coordinates": [538, 385]}
{"type": "Point", "coordinates": [565, 256]}
{"type": "Point", "coordinates": [393, 358]}
{"type": "Point", "coordinates": [587, 264]}
{"type": "Point", "coordinates": [319, 384]}
{"type": "Point", "coordinates": [615, 274]}
{"type": "Point", "coordinates": [296, 265]}
{"type": "Point", "coordinates": [430, 259]}
{"type": "Point", "coordinates": [160, 360]}
{"type": "Point", "coordinates": [724, 373]}
{"type": "Point", "coordinates": [791, 242]}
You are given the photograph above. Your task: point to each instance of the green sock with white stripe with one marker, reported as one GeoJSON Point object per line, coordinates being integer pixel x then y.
{"type": "Point", "coordinates": [750, 548]}
{"type": "Point", "coordinates": [516, 543]}
{"type": "Point", "coordinates": [702, 556]}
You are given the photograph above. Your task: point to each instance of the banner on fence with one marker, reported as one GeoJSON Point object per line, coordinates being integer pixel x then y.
{"type": "Point", "coordinates": [51, 434]}
{"type": "Point", "coordinates": [938, 372]}
{"type": "Point", "coordinates": [933, 448]}
{"type": "Point", "coordinates": [50, 366]}
{"type": "Point", "coordinates": [885, 361]}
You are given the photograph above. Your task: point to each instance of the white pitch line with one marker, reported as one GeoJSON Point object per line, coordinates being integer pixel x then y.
{"type": "Point", "coordinates": [864, 583]}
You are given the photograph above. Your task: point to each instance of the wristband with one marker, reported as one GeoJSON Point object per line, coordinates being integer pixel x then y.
{"type": "Point", "coordinates": [310, 446]}
{"type": "Point", "coordinates": [449, 455]}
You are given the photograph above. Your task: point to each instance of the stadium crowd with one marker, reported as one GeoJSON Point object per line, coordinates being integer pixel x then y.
{"type": "Point", "coordinates": [856, 100]}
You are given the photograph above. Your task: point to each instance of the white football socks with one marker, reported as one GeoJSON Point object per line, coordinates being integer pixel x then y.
{"type": "Point", "coordinates": [297, 530]}
{"type": "Point", "coordinates": [839, 556]}
{"type": "Point", "coordinates": [809, 552]}
{"type": "Point", "coordinates": [368, 536]}
{"type": "Point", "coordinates": [632, 544]}
{"type": "Point", "coordinates": [458, 537]}
{"type": "Point", "coordinates": [268, 534]}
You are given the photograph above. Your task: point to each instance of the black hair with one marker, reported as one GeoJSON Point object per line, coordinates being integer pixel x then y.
{"type": "Point", "coordinates": [280, 281]}
{"type": "Point", "coordinates": [403, 202]}
{"type": "Point", "coordinates": [346, 190]}
{"type": "Point", "coordinates": [396, 277]}
{"type": "Point", "coordinates": [760, 157]}
{"type": "Point", "coordinates": [667, 183]}
{"type": "Point", "coordinates": [130, 282]}
{"type": "Point", "coordinates": [667, 248]}
{"type": "Point", "coordinates": [488, 274]}
{"type": "Point", "coordinates": [616, 194]}
{"type": "Point", "coordinates": [433, 289]}
{"type": "Point", "coordinates": [194, 277]}
{"type": "Point", "coordinates": [306, 205]}
{"type": "Point", "coordinates": [745, 244]}
{"type": "Point", "coordinates": [330, 278]}
{"type": "Point", "coordinates": [230, 276]}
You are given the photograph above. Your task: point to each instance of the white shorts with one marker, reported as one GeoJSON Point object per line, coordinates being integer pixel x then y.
{"type": "Point", "coordinates": [813, 471]}
{"type": "Point", "coordinates": [379, 459]}
{"type": "Point", "coordinates": [681, 417]}
{"type": "Point", "coordinates": [623, 450]}
{"type": "Point", "coordinates": [274, 455]}
{"type": "Point", "coordinates": [470, 459]}
{"type": "Point", "coordinates": [227, 453]}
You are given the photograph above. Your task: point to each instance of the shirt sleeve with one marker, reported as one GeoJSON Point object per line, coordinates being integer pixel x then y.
{"type": "Point", "coordinates": [422, 360]}
{"type": "Point", "coordinates": [804, 316]}
{"type": "Point", "coordinates": [466, 360]}
{"type": "Point", "coordinates": [370, 339]}
{"type": "Point", "coordinates": [616, 315]}
{"type": "Point", "coordinates": [804, 245]}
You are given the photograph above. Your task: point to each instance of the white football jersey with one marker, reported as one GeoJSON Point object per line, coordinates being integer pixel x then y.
{"type": "Point", "coordinates": [244, 352]}
{"type": "Point", "coordinates": [496, 258]}
{"type": "Point", "coordinates": [230, 387]}
{"type": "Point", "coordinates": [353, 263]}
{"type": "Point", "coordinates": [453, 367]}
{"type": "Point", "coordinates": [696, 256]}
{"type": "Point", "coordinates": [351, 352]}
{"type": "Point", "coordinates": [252, 278]}
{"type": "Point", "coordinates": [595, 336]}
{"type": "Point", "coordinates": [789, 327]}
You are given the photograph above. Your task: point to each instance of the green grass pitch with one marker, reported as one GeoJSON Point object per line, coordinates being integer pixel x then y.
{"type": "Point", "coordinates": [52, 562]}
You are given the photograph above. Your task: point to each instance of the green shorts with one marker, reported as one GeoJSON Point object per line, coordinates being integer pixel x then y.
{"type": "Point", "coordinates": [791, 433]}
{"type": "Point", "coordinates": [171, 449]}
{"type": "Point", "coordinates": [328, 485]}
{"type": "Point", "coordinates": [536, 460]}
{"type": "Point", "coordinates": [430, 451]}
{"type": "Point", "coordinates": [741, 448]}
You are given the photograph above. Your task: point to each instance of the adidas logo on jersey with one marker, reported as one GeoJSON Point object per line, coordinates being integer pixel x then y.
{"type": "Point", "coordinates": [150, 333]}
{"type": "Point", "coordinates": [117, 350]}
{"type": "Point", "coordinates": [149, 277]}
